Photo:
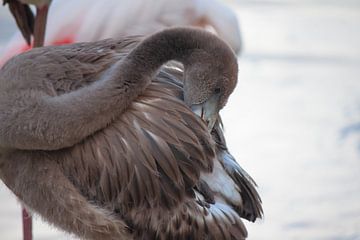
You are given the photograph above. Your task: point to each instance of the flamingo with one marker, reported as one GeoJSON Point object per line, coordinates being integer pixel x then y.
{"type": "Point", "coordinates": [165, 13]}
{"type": "Point", "coordinates": [114, 145]}
{"type": "Point", "coordinates": [92, 20]}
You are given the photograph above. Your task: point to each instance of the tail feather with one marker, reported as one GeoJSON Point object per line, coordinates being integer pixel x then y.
{"type": "Point", "coordinates": [250, 206]}
{"type": "Point", "coordinates": [251, 209]}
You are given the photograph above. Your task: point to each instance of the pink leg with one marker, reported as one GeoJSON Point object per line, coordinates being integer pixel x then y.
{"type": "Point", "coordinates": [27, 225]}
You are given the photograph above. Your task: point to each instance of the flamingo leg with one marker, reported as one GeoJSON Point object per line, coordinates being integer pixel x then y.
{"type": "Point", "coordinates": [39, 36]}
{"type": "Point", "coordinates": [27, 225]}
{"type": "Point", "coordinates": [40, 25]}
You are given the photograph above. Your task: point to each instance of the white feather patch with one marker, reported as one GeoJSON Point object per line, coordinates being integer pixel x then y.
{"type": "Point", "coordinates": [221, 183]}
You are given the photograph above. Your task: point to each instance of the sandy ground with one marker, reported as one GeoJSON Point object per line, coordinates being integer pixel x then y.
{"type": "Point", "coordinates": [293, 121]}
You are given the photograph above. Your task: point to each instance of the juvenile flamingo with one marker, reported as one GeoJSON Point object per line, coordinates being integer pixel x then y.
{"type": "Point", "coordinates": [110, 146]}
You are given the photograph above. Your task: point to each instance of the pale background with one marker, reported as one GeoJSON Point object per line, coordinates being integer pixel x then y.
{"type": "Point", "coordinates": [293, 121]}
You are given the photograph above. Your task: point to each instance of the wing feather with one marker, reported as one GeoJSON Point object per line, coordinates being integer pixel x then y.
{"type": "Point", "coordinates": [147, 165]}
{"type": "Point", "coordinates": [250, 205]}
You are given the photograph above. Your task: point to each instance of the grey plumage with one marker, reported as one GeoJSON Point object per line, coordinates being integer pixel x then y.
{"type": "Point", "coordinates": [102, 144]}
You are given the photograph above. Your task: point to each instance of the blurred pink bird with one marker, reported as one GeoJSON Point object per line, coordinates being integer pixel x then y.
{"type": "Point", "coordinates": [91, 20]}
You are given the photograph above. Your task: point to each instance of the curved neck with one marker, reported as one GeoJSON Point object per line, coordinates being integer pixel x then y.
{"type": "Point", "coordinates": [123, 83]}
{"type": "Point", "coordinates": [171, 44]}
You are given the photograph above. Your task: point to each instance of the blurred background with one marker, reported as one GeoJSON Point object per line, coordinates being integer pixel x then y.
{"type": "Point", "coordinates": [293, 121]}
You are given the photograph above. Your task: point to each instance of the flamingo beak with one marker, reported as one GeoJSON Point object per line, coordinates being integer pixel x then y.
{"type": "Point", "coordinates": [208, 111]}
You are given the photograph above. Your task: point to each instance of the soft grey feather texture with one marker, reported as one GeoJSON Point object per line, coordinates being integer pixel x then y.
{"type": "Point", "coordinates": [106, 152]}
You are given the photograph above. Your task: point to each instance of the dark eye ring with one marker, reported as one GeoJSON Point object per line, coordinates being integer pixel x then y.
{"type": "Point", "coordinates": [217, 90]}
